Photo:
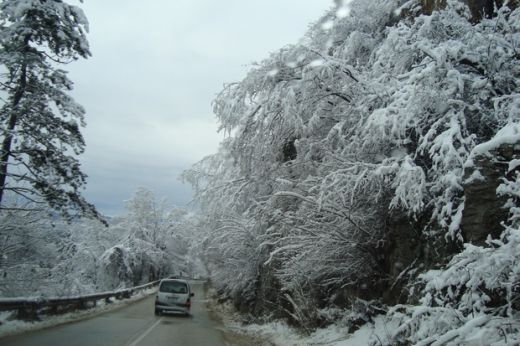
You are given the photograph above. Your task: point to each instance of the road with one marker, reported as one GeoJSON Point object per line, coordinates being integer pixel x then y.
{"type": "Point", "coordinates": [132, 325]}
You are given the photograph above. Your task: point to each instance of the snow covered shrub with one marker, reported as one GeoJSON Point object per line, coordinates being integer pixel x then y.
{"type": "Point", "coordinates": [476, 297]}
{"type": "Point", "coordinates": [229, 240]}
{"type": "Point", "coordinates": [42, 255]}
{"type": "Point", "coordinates": [115, 271]}
{"type": "Point", "coordinates": [302, 206]}
{"type": "Point", "coordinates": [360, 312]}
{"type": "Point", "coordinates": [18, 239]}
{"type": "Point", "coordinates": [233, 260]}
{"type": "Point", "coordinates": [154, 241]}
{"type": "Point", "coordinates": [370, 117]}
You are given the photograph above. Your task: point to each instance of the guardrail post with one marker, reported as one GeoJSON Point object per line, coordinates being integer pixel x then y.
{"type": "Point", "coordinates": [28, 312]}
{"type": "Point", "coordinates": [84, 304]}
{"type": "Point", "coordinates": [54, 309]}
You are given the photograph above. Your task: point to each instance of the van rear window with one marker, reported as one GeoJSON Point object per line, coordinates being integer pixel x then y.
{"type": "Point", "coordinates": [173, 287]}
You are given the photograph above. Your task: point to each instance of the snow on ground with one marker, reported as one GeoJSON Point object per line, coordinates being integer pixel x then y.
{"type": "Point", "coordinates": [280, 334]}
{"type": "Point", "coordinates": [10, 326]}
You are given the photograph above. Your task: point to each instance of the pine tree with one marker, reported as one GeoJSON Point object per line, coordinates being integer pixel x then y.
{"type": "Point", "coordinates": [39, 122]}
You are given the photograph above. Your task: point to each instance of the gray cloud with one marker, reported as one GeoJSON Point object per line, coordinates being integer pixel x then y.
{"type": "Point", "coordinates": [155, 69]}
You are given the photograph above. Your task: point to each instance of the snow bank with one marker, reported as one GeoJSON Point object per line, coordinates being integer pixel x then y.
{"type": "Point", "coordinates": [279, 333]}
{"type": "Point", "coordinates": [10, 326]}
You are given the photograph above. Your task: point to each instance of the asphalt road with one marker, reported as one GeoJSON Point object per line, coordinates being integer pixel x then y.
{"type": "Point", "coordinates": [132, 325]}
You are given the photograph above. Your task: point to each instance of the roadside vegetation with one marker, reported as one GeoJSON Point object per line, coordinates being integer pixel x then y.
{"type": "Point", "coordinates": [372, 169]}
{"type": "Point", "coordinates": [43, 255]}
{"type": "Point", "coordinates": [369, 176]}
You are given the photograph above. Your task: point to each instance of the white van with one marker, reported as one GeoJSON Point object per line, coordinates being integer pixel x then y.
{"type": "Point", "coordinates": [174, 295]}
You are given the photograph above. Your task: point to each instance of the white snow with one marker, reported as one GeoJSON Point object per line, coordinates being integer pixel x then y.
{"type": "Point", "coordinates": [474, 177]}
{"type": "Point", "coordinates": [509, 134]}
{"type": "Point", "coordinates": [344, 9]}
{"type": "Point", "coordinates": [343, 12]}
{"type": "Point", "coordinates": [317, 63]}
{"type": "Point", "coordinates": [11, 326]}
{"type": "Point", "coordinates": [513, 164]}
{"type": "Point", "coordinates": [327, 25]}
{"type": "Point", "coordinates": [273, 72]}
{"type": "Point", "coordinates": [280, 334]}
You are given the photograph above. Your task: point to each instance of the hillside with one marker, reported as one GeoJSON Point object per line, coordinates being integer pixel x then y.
{"type": "Point", "coordinates": [372, 169]}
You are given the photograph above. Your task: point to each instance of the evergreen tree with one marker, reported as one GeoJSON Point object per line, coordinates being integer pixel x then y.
{"type": "Point", "coordinates": [39, 122]}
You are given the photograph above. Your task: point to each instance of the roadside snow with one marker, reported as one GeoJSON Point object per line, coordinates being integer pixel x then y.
{"type": "Point", "coordinates": [279, 333]}
{"type": "Point", "coordinates": [9, 326]}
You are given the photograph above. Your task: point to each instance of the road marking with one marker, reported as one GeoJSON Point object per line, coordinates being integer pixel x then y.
{"type": "Point", "coordinates": [138, 340]}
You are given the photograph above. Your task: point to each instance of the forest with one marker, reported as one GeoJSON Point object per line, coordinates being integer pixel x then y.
{"type": "Point", "coordinates": [46, 256]}
{"type": "Point", "coordinates": [53, 242]}
{"type": "Point", "coordinates": [371, 169]}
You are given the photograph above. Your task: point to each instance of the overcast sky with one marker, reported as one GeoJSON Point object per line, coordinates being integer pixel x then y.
{"type": "Point", "coordinates": [155, 69]}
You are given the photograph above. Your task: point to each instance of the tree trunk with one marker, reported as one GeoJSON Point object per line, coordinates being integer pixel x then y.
{"type": "Point", "coordinates": [428, 6]}
{"type": "Point", "coordinates": [8, 140]}
{"type": "Point", "coordinates": [482, 8]}
{"type": "Point", "coordinates": [479, 8]}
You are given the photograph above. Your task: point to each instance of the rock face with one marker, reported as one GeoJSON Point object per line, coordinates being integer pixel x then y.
{"type": "Point", "coordinates": [484, 8]}
{"type": "Point", "coordinates": [478, 8]}
{"type": "Point", "coordinates": [483, 210]}
{"type": "Point", "coordinates": [403, 251]}
{"type": "Point", "coordinates": [407, 249]}
{"type": "Point", "coordinates": [115, 268]}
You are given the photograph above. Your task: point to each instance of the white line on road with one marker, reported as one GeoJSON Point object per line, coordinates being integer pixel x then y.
{"type": "Point", "coordinates": [138, 340]}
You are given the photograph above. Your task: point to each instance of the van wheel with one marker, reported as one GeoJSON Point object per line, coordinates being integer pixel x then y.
{"type": "Point", "coordinates": [157, 312]}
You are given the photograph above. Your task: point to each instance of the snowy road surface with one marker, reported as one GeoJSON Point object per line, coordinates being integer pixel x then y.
{"type": "Point", "coordinates": [131, 326]}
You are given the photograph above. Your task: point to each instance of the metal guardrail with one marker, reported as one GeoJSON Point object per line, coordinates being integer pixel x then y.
{"type": "Point", "coordinates": [31, 308]}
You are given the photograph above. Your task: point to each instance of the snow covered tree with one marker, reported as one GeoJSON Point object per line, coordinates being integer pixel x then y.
{"type": "Point", "coordinates": [373, 117]}
{"type": "Point", "coordinates": [475, 297]}
{"type": "Point", "coordinates": [43, 255]}
{"type": "Point", "coordinates": [147, 216]}
{"type": "Point", "coordinates": [39, 121]}
{"type": "Point", "coordinates": [154, 240]}
{"type": "Point", "coordinates": [25, 252]}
